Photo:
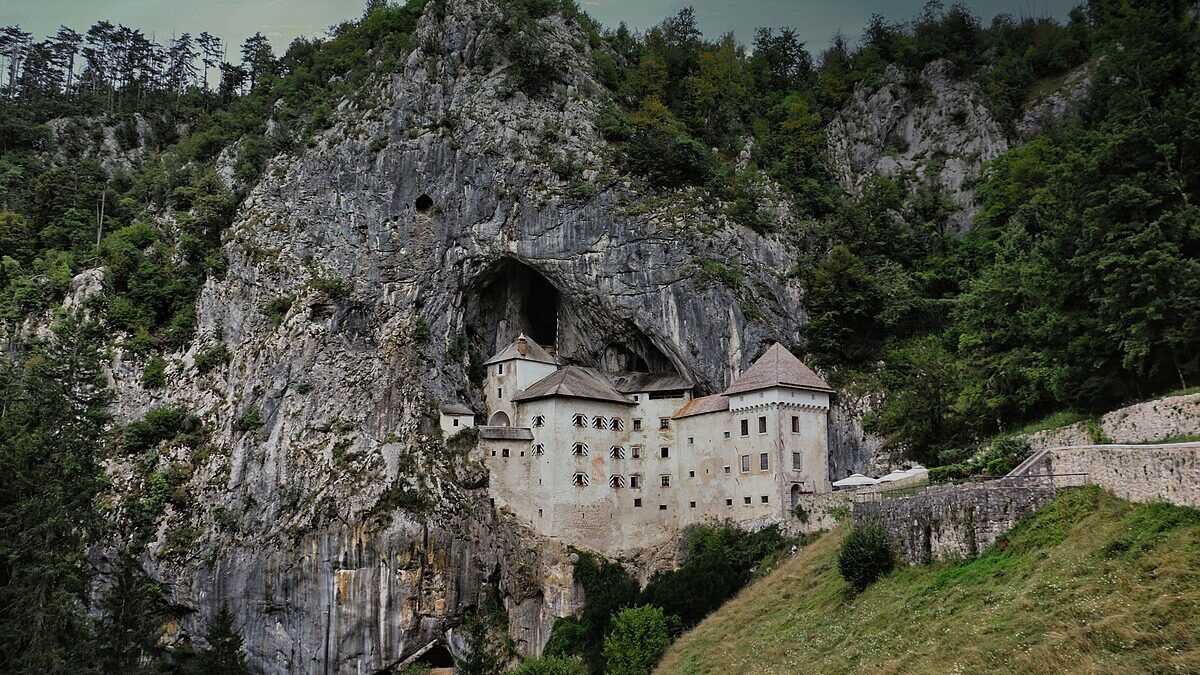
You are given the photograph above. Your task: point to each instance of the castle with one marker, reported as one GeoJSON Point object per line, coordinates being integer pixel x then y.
{"type": "Point", "coordinates": [616, 462]}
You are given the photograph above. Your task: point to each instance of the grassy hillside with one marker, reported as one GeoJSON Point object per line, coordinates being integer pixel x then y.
{"type": "Point", "coordinates": [1090, 584]}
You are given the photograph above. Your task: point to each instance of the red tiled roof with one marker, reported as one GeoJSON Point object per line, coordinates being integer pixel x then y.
{"type": "Point", "coordinates": [702, 405]}
{"type": "Point", "coordinates": [777, 367]}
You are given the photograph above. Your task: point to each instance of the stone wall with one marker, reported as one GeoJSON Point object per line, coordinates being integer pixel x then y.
{"type": "Point", "coordinates": [953, 521]}
{"type": "Point", "coordinates": [1140, 473]}
{"type": "Point", "coordinates": [1139, 423]}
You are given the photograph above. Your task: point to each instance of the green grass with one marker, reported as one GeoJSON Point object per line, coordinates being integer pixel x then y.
{"type": "Point", "coordinates": [1089, 584]}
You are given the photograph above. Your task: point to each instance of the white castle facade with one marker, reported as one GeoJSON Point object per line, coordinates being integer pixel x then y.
{"type": "Point", "coordinates": [617, 462]}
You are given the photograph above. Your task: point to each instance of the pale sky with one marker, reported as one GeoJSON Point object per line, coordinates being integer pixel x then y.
{"type": "Point", "coordinates": [282, 20]}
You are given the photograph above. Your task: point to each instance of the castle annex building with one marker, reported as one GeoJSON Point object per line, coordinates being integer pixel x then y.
{"type": "Point", "coordinates": [618, 461]}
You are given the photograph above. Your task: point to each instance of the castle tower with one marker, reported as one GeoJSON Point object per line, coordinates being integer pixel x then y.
{"type": "Point", "coordinates": [511, 371]}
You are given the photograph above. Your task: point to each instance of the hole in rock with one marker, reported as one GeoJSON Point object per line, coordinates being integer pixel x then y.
{"type": "Point", "coordinates": [436, 657]}
{"type": "Point", "coordinates": [424, 204]}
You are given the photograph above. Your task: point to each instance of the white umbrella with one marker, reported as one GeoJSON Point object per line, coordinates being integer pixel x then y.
{"type": "Point", "coordinates": [894, 476]}
{"type": "Point", "coordinates": [855, 480]}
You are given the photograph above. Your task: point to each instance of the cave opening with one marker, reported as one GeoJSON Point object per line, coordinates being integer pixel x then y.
{"type": "Point", "coordinates": [511, 299]}
{"type": "Point", "coordinates": [424, 204]}
{"type": "Point", "coordinates": [436, 656]}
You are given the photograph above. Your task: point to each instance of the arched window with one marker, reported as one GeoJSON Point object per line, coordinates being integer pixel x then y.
{"type": "Point", "coordinates": [616, 424]}
{"type": "Point", "coordinates": [580, 420]}
{"type": "Point", "coordinates": [580, 479]}
{"type": "Point", "coordinates": [538, 421]}
{"type": "Point", "coordinates": [599, 422]}
{"type": "Point", "coordinates": [616, 452]}
{"type": "Point", "coordinates": [616, 482]}
{"type": "Point", "coordinates": [538, 449]}
{"type": "Point", "coordinates": [580, 450]}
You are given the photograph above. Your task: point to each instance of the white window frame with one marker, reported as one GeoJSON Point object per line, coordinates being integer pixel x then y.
{"type": "Point", "coordinates": [636, 451]}
{"type": "Point", "coordinates": [598, 422]}
{"type": "Point", "coordinates": [616, 424]}
{"type": "Point", "coordinates": [745, 464]}
{"type": "Point", "coordinates": [664, 480]}
{"type": "Point", "coordinates": [762, 424]}
{"type": "Point", "coordinates": [635, 481]}
{"type": "Point", "coordinates": [764, 462]}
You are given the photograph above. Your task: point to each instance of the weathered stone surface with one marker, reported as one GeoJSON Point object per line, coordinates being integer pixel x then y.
{"type": "Point", "coordinates": [1047, 111]}
{"type": "Point", "coordinates": [1138, 423]}
{"type": "Point", "coordinates": [1139, 473]}
{"type": "Point", "coordinates": [939, 130]}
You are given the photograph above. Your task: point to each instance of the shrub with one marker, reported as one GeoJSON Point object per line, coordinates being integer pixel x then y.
{"type": "Point", "coordinates": [866, 555]}
{"type": "Point", "coordinates": [160, 424]}
{"type": "Point", "coordinates": [637, 641]}
{"type": "Point", "coordinates": [250, 420]}
{"type": "Point", "coordinates": [548, 665]}
{"type": "Point", "coordinates": [155, 375]}
{"type": "Point", "coordinates": [941, 474]}
{"type": "Point", "coordinates": [334, 287]}
{"type": "Point", "coordinates": [211, 358]}
{"type": "Point", "coordinates": [278, 308]}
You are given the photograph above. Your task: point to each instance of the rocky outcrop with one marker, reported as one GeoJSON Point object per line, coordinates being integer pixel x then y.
{"type": "Point", "coordinates": [1045, 112]}
{"type": "Point", "coordinates": [441, 214]}
{"type": "Point", "coordinates": [935, 130]}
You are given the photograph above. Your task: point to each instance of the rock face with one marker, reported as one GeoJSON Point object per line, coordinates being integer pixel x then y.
{"type": "Point", "coordinates": [1063, 101]}
{"type": "Point", "coordinates": [365, 278]}
{"type": "Point", "coordinates": [936, 130]}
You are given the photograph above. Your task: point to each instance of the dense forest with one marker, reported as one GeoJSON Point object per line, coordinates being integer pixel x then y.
{"type": "Point", "coordinates": [1076, 289]}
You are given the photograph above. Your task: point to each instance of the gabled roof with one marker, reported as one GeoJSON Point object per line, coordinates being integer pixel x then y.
{"type": "Point", "coordinates": [456, 409]}
{"type": "Point", "coordinates": [629, 383]}
{"type": "Point", "coordinates": [574, 382]}
{"type": "Point", "coordinates": [702, 405]}
{"type": "Point", "coordinates": [533, 352]}
{"type": "Point", "coordinates": [777, 368]}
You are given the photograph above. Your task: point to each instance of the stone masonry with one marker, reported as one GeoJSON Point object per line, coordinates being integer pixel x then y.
{"type": "Point", "coordinates": [1139, 423]}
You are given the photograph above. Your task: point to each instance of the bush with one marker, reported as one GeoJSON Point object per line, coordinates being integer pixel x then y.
{"type": "Point", "coordinates": [155, 375]}
{"type": "Point", "coordinates": [548, 665]}
{"type": "Point", "coordinates": [942, 474]}
{"type": "Point", "coordinates": [637, 641]}
{"type": "Point", "coordinates": [211, 358]}
{"type": "Point", "coordinates": [160, 424]}
{"type": "Point", "coordinates": [866, 555]}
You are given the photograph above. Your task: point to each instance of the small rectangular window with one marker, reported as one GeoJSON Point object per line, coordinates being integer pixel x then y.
{"type": "Point", "coordinates": [795, 424]}
{"type": "Point", "coordinates": [796, 461]}
{"type": "Point", "coordinates": [499, 393]}
{"type": "Point", "coordinates": [691, 474]}
{"type": "Point", "coordinates": [746, 500]}
{"type": "Point", "coordinates": [692, 505]}
{"type": "Point", "coordinates": [745, 463]}
{"type": "Point", "coordinates": [665, 481]}
{"type": "Point", "coordinates": [455, 421]}
{"type": "Point", "coordinates": [637, 503]}
{"type": "Point", "coordinates": [691, 440]}
{"type": "Point", "coordinates": [664, 423]}
{"type": "Point", "coordinates": [500, 369]}
{"type": "Point", "coordinates": [726, 469]}
{"type": "Point", "coordinates": [662, 507]}
{"type": "Point", "coordinates": [539, 513]}
{"type": "Point", "coordinates": [664, 452]}
{"type": "Point", "coordinates": [745, 427]}
{"type": "Point", "coordinates": [728, 502]}
{"type": "Point", "coordinates": [766, 499]}
{"type": "Point", "coordinates": [635, 481]}
{"type": "Point", "coordinates": [762, 425]}
{"type": "Point", "coordinates": [637, 452]}
{"type": "Point", "coordinates": [637, 425]}
{"type": "Point", "coordinates": [763, 463]}
{"type": "Point", "coordinates": [726, 434]}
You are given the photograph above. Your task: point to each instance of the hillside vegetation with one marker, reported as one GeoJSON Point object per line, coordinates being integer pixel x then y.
{"type": "Point", "coordinates": [1089, 584]}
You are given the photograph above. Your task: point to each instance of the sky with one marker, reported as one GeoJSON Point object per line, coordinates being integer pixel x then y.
{"type": "Point", "coordinates": [815, 21]}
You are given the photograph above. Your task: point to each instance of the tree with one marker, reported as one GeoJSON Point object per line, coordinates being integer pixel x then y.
{"type": "Point", "coordinates": [865, 556]}
{"type": "Point", "coordinates": [258, 59]}
{"type": "Point", "coordinates": [638, 639]}
{"type": "Point", "coordinates": [225, 655]}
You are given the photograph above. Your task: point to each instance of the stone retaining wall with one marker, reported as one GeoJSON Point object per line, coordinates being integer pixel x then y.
{"type": "Point", "coordinates": [1139, 423]}
{"type": "Point", "coordinates": [953, 521]}
{"type": "Point", "coordinates": [1139, 473]}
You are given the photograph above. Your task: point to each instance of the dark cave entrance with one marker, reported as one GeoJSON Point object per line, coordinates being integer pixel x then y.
{"type": "Point", "coordinates": [436, 656]}
{"type": "Point", "coordinates": [510, 298]}
{"type": "Point", "coordinates": [424, 204]}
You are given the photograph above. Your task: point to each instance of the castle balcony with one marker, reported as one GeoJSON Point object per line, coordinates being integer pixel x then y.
{"type": "Point", "coordinates": [505, 433]}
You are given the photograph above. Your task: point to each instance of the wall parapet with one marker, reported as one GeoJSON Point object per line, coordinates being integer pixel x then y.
{"type": "Point", "coordinates": [1140, 473]}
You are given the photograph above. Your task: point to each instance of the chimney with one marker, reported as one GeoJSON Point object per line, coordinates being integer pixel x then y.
{"type": "Point", "coordinates": [522, 345]}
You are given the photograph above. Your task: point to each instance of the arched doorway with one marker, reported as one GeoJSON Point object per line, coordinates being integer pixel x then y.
{"type": "Point", "coordinates": [795, 494]}
{"type": "Point", "coordinates": [499, 419]}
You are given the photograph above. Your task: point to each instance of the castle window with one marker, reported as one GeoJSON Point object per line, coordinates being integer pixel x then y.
{"type": "Point", "coordinates": [580, 450]}
{"type": "Point", "coordinates": [796, 461]}
{"type": "Point", "coordinates": [635, 481]}
{"type": "Point", "coordinates": [745, 427]}
{"type": "Point", "coordinates": [662, 507]}
{"type": "Point", "coordinates": [664, 423]}
{"type": "Point", "coordinates": [692, 505]}
{"type": "Point", "coordinates": [691, 440]}
{"type": "Point", "coordinates": [499, 368]}
{"type": "Point", "coordinates": [746, 500]}
{"type": "Point", "coordinates": [637, 503]}
{"type": "Point", "coordinates": [499, 392]}
{"type": "Point", "coordinates": [728, 502]}
{"type": "Point", "coordinates": [637, 451]}
{"type": "Point", "coordinates": [580, 420]}
{"type": "Point", "coordinates": [692, 474]}
{"type": "Point", "coordinates": [637, 425]}
{"type": "Point", "coordinates": [580, 479]}
{"type": "Point", "coordinates": [795, 424]}
{"type": "Point", "coordinates": [664, 452]}
{"type": "Point", "coordinates": [617, 424]}
{"type": "Point", "coordinates": [745, 463]}
{"type": "Point", "coordinates": [538, 421]}
{"type": "Point", "coordinates": [598, 422]}
{"type": "Point", "coordinates": [538, 450]}
{"type": "Point", "coordinates": [664, 481]}
{"type": "Point", "coordinates": [616, 452]}
{"type": "Point", "coordinates": [766, 499]}
{"type": "Point", "coordinates": [504, 452]}
{"type": "Point", "coordinates": [455, 421]}
{"type": "Point", "coordinates": [727, 469]}
{"type": "Point", "coordinates": [726, 434]}
{"type": "Point", "coordinates": [763, 462]}
{"type": "Point", "coordinates": [762, 425]}
{"type": "Point", "coordinates": [616, 482]}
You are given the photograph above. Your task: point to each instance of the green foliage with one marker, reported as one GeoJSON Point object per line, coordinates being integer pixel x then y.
{"type": "Point", "coordinates": [51, 429]}
{"type": "Point", "coordinates": [251, 420]}
{"type": "Point", "coordinates": [607, 588]}
{"type": "Point", "coordinates": [211, 358]}
{"type": "Point", "coordinates": [155, 375]}
{"type": "Point", "coordinates": [636, 642]}
{"type": "Point", "coordinates": [278, 308]}
{"type": "Point", "coordinates": [548, 665]}
{"type": "Point", "coordinates": [133, 611]}
{"type": "Point", "coordinates": [866, 555]}
{"type": "Point", "coordinates": [333, 287]}
{"type": "Point", "coordinates": [162, 424]}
